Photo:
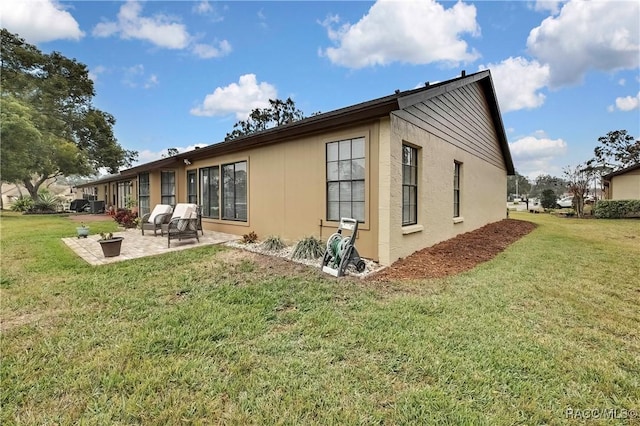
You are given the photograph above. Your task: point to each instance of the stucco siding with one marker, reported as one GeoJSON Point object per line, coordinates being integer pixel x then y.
{"type": "Point", "coordinates": [287, 189]}
{"type": "Point", "coordinates": [626, 186]}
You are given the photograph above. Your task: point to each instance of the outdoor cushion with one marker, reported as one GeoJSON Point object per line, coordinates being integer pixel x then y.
{"type": "Point", "coordinates": [186, 217]}
{"type": "Point", "coordinates": [159, 209]}
{"type": "Point", "coordinates": [183, 209]}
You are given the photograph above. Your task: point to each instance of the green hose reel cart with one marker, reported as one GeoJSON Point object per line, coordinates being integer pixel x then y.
{"type": "Point", "coordinates": [341, 250]}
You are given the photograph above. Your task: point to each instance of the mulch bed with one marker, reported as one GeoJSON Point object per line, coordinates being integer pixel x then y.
{"type": "Point", "coordinates": [458, 254]}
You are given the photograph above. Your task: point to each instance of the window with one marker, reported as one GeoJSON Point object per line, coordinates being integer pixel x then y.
{"type": "Point", "coordinates": [234, 191]}
{"type": "Point", "coordinates": [456, 188]}
{"type": "Point", "coordinates": [209, 181]}
{"type": "Point", "coordinates": [124, 194]}
{"type": "Point", "coordinates": [345, 179]}
{"type": "Point", "coordinates": [192, 187]}
{"type": "Point", "coordinates": [144, 203]}
{"type": "Point", "coordinates": [409, 185]}
{"type": "Point", "coordinates": [168, 188]}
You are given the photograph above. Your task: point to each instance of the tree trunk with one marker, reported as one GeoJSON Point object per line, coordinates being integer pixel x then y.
{"type": "Point", "coordinates": [34, 187]}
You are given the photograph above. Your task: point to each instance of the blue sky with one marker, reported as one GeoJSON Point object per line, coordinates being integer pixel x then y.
{"type": "Point", "coordinates": [180, 74]}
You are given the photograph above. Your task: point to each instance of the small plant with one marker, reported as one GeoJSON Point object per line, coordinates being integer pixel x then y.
{"type": "Point", "coordinates": [130, 203]}
{"type": "Point", "coordinates": [273, 243]}
{"type": "Point", "coordinates": [249, 238]}
{"type": "Point", "coordinates": [126, 218]}
{"type": "Point", "coordinates": [22, 204]}
{"type": "Point", "coordinates": [47, 202]}
{"type": "Point", "coordinates": [308, 248]}
{"type": "Point", "coordinates": [82, 230]}
{"type": "Point", "coordinates": [106, 235]}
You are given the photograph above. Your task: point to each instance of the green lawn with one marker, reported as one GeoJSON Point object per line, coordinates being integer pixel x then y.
{"type": "Point", "coordinates": [199, 336]}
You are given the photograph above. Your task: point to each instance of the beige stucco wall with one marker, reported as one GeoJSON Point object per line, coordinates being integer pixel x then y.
{"type": "Point", "coordinates": [626, 186]}
{"type": "Point", "coordinates": [482, 192]}
{"type": "Point", "coordinates": [287, 189]}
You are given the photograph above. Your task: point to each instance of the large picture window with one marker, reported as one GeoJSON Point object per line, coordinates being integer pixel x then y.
{"type": "Point", "coordinates": [209, 181]}
{"type": "Point", "coordinates": [456, 188]}
{"type": "Point", "coordinates": [168, 187]}
{"type": "Point", "coordinates": [234, 191]}
{"type": "Point", "coordinates": [345, 179]}
{"type": "Point", "coordinates": [144, 203]}
{"type": "Point", "coordinates": [409, 185]}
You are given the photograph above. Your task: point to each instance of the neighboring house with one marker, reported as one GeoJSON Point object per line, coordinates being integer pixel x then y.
{"type": "Point", "coordinates": [623, 184]}
{"type": "Point", "coordinates": [12, 191]}
{"type": "Point", "coordinates": [415, 168]}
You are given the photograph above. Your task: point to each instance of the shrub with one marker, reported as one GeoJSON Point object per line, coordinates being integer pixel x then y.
{"type": "Point", "coordinates": [22, 204]}
{"type": "Point", "coordinates": [273, 243]}
{"type": "Point", "coordinates": [617, 209]}
{"type": "Point", "coordinates": [47, 202]}
{"type": "Point", "coordinates": [308, 248]}
{"type": "Point", "coordinates": [126, 218]}
{"type": "Point", "coordinates": [548, 199]}
{"type": "Point", "coordinates": [249, 238]}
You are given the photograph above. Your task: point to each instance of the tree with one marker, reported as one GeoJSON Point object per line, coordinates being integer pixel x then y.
{"type": "Point", "coordinates": [617, 150]}
{"type": "Point", "coordinates": [49, 126]}
{"type": "Point", "coordinates": [578, 184]}
{"type": "Point", "coordinates": [518, 184]}
{"type": "Point", "coordinates": [170, 152]}
{"type": "Point", "coordinates": [278, 113]}
{"type": "Point", "coordinates": [548, 182]}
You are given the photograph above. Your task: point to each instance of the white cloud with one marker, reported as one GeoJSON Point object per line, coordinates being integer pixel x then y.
{"type": "Point", "coordinates": [552, 6]}
{"type": "Point", "coordinates": [533, 155]}
{"type": "Point", "coordinates": [152, 81]}
{"type": "Point", "coordinates": [207, 51]}
{"type": "Point", "coordinates": [39, 21]}
{"type": "Point", "coordinates": [203, 7]}
{"type": "Point", "coordinates": [518, 83]}
{"type": "Point", "coordinates": [161, 30]}
{"type": "Point", "coordinates": [416, 32]}
{"type": "Point", "coordinates": [135, 77]}
{"type": "Point", "coordinates": [627, 103]}
{"type": "Point", "coordinates": [96, 71]}
{"type": "Point", "coordinates": [147, 156]}
{"type": "Point", "coordinates": [237, 98]}
{"type": "Point", "coordinates": [601, 35]}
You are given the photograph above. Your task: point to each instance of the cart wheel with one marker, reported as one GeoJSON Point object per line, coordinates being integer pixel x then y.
{"type": "Point", "coordinates": [360, 267]}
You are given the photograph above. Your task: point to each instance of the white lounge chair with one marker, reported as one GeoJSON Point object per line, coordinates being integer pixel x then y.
{"type": "Point", "coordinates": [153, 221]}
{"type": "Point", "coordinates": [184, 223]}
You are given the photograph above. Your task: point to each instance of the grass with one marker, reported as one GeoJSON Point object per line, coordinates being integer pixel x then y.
{"type": "Point", "coordinates": [206, 336]}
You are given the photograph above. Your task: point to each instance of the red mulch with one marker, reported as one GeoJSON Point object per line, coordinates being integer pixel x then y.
{"type": "Point", "coordinates": [458, 254]}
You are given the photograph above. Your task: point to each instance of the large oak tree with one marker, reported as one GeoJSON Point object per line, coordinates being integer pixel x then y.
{"type": "Point", "coordinates": [49, 126]}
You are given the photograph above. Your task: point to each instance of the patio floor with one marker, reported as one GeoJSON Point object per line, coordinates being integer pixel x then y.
{"type": "Point", "coordinates": [136, 245]}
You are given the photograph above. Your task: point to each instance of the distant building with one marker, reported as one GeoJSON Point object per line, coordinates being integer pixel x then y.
{"type": "Point", "coordinates": [623, 184]}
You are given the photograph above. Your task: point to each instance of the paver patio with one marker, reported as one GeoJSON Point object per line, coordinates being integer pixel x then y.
{"type": "Point", "coordinates": [136, 245]}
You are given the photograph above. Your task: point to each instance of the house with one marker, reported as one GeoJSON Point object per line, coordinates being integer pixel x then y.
{"type": "Point", "coordinates": [623, 184]}
{"type": "Point", "coordinates": [12, 191]}
{"type": "Point", "coordinates": [415, 168]}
